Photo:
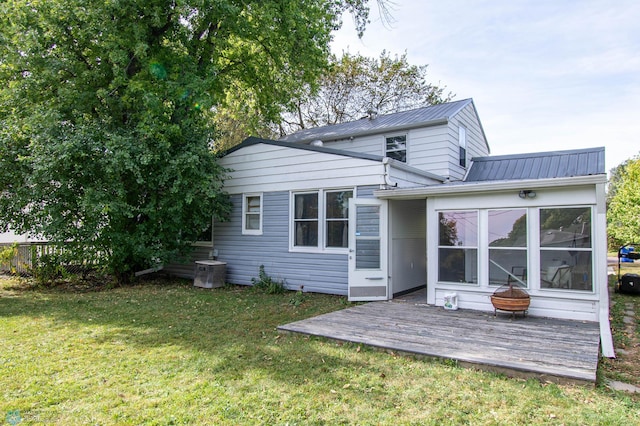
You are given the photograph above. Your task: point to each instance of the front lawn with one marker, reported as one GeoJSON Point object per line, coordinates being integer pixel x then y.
{"type": "Point", "coordinates": [167, 353]}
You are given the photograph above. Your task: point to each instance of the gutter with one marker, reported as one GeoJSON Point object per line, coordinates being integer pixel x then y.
{"type": "Point", "coordinates": [454, 189]}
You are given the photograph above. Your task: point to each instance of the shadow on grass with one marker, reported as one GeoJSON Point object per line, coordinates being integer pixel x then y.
{"type": "Point", "coordinates": [232, 328]}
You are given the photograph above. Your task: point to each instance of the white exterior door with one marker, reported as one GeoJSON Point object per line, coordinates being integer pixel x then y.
{"type": "Point", "coordinates": [368, 263]}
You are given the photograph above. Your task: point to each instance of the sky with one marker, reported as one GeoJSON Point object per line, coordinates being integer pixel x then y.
{"type": "Point", "coordinates": [544, 75]}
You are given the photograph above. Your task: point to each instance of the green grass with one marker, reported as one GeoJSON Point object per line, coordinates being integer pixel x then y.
{"type": "Point", "coordinates": [166, 353]}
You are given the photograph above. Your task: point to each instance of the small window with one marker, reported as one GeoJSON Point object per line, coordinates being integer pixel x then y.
{"type": "Point", "coordinates": [462, 143]}
{"type": "Point", "coordinates": [396, 148]}
{"type": "Point", "coordinates": [252, 214]}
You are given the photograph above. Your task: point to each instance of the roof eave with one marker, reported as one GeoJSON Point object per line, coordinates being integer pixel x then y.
{"type": "Point", "coordinates": [447, 190]}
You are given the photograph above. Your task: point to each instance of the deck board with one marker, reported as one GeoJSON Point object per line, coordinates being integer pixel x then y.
{"type": "Point", "coordinates": [561, 350]}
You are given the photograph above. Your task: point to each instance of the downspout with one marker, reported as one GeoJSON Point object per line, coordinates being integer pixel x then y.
{"type": "Point", "coordinates": [387, 178]}
{"type": "Point", "coordinates": [602, 278]}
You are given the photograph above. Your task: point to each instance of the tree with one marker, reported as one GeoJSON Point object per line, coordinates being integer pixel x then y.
{"type": "Point", "coordinates": [106, 111]}
{"type": "Point", "coordinates": [623, 210]}
{"type": "Point", "coordinates": [354, 85]}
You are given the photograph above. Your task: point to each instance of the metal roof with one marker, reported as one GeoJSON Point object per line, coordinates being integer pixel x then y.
{"type": "Point", "coordinates": [541, 165]}
{"type": "Point", "coordinates": [431, 115]}
{"type": "Point", "coordinates": [252, 140]}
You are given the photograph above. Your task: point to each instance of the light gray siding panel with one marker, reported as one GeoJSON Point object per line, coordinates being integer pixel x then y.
{"type": "Point", "coordinates": [366, 191]}
{"type": "Point", "coordinates": [318, 272]}
{"type": "Point", "coordinates": [373, 144]}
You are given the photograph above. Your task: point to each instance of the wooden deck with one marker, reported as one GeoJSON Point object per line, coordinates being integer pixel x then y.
{"type": "Point", "coordinates": [549, 349]}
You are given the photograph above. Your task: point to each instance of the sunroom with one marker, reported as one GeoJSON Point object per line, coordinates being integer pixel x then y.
{"type": "Point", "coordinates": [545, 234]}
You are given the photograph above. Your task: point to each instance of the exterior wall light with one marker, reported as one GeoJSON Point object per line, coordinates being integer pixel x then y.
{"type": "Point", "coordinates": [527, 193]}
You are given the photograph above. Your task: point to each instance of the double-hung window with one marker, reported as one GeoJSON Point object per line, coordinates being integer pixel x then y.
{"type": "Point", "coordinates": [320, 219]}
{"type": "Point", "coordinates": [252, 214]}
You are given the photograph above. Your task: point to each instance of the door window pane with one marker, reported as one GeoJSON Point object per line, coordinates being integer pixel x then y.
{"type": "Point", "coordinates": [367, 254]}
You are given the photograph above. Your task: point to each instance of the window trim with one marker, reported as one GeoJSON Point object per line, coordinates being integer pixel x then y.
{"type": "Point", "coordinates": [322, 221]}
{"type": "Point", "coordinates": [245, 204]}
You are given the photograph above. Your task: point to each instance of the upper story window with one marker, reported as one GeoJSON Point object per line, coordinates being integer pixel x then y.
{"type": "Point", "coordinates": [396, 148]}
{"type": "Point", "coordinates": [252, 214]}
{"type": "Point", "coordinates": [462, 143]}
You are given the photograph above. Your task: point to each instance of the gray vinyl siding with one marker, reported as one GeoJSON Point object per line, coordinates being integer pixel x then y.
{"type": "Point", "coordinates": [476, 142]}
{"type": "Point", "coordinates": [317, 272]}
{"type": "Point", "coordinates": [366, 191]}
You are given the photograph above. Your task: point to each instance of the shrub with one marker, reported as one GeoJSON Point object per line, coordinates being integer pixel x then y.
{"type": "Point", "coordinates": [267, 284]}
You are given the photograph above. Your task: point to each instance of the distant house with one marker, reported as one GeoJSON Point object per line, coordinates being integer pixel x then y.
{"type": "Point", "coordinates": [393, 203]}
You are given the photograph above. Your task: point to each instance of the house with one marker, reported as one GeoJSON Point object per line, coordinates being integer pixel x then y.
{"type": "Point", "coordinates": [393, 203]}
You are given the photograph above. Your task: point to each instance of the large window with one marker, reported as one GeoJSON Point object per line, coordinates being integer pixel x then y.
{"type": "Point", "coordinates": [458, 246]}
{"type": "Point", "coordinates": [554, 245]}
{"type": "Point", "coordinates": [396, 148]}
{"type": "Point", "coordinates": [321, 219]}
{"type": "Point", "coordinates": [508, 247]}
{"type": "Point", "coordinates": [252, 214]}
{"type": "Point", "coordinates": [566, 249]}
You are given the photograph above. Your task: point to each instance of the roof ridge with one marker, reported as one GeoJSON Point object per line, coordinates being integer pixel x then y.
{"type": "Point", "coordinates": [391, 121]}
{"type": "Point", "coordinates": [554, 153]}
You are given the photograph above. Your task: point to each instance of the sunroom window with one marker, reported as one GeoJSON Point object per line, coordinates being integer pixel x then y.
{"type": "Point", "coordinates": [458, 246]}
{"type": "Point", "coordinates": [566, 249]}
{"type": "Point", "coordinates": [508, 247]}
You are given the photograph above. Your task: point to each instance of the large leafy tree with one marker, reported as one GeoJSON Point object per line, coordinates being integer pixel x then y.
{"type": "Point", "coordinates": [106, 111]}
{"type": "Point", "coordinates": [623, 210]}
{"type": "Point", "coordinates": [355, 85]}
{"type": "Point", "coordinates": [350, 87]}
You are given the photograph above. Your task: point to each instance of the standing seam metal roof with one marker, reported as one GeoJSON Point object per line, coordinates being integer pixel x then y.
{"type": "Point", "coordinates": [541, 165]}
{"type": "Point", "coordinates": [406, 119]}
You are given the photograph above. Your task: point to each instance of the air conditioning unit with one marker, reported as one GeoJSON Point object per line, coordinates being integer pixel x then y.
{"type": "Point", "coordinates": [210, 273]}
